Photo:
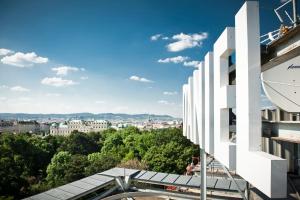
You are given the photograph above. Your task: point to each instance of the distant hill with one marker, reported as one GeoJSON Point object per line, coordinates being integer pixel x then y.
{"type": "Point", "coordinates": [86, 116]}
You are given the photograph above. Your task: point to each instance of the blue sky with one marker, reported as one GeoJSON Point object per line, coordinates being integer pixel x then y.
{"type": "Point", "coordinates": [109, 55]}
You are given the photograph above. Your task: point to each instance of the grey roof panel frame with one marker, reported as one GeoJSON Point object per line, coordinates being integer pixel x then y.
{"type": "Point", "coordinates": [223, 184]}
{"type": "Point", "coordinates": [117, 172]}
{"type": "Point", "coordinates": [147, 176]}
{"type": "Point", "coordinates": [195, 181]}
{"type": "Point", "coordinates": [72, 189]}
{"type": "Point", "coordinates": [83, 185]}
{"type": "Point", "coordinates": [43, 196]}
{"type": "Point", "coordinates": [159, 177]}
{"type": "Point", "coordinates": [183, 180]}
{"type": "Point", "coordinates": [171, 178]}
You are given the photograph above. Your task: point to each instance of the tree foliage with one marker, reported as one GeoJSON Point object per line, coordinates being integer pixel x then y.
{"type": "Point", "coordinates": [30, 164]}
{"type": "Point", "coordinates": [79, 143]}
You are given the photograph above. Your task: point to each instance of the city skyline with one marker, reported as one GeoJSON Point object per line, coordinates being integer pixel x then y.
{"type": "Point", "coordinates": [107, 56]}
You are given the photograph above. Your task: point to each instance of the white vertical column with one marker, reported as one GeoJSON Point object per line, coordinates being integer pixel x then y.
{"type": "Point", "coordinates": [190, 108]}
{"type": "Point", "coordinates": [209, 103]}
{"type": "Point", "coordinates": [264, 171]}
{"type": "Point", "coordinates": [184, 109]}
{"type": "Point", "coordinates": [224, 99]}
{"type": "Point", "coordinates": [196, 112]}
{"type": "Point", "coordinates": [201, 106]}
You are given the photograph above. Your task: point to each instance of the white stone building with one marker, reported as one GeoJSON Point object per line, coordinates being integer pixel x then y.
{"type": "Point", "coordinates": [68, 127]}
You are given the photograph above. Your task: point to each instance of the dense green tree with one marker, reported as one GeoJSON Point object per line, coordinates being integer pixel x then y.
{"type": "Point", "coordinates": [79, 143]}
{"type": "Point", "coordinates": [131, 130]}
{"type": "Point", "coordinates": [114, 144]}
{"type": "Point", "coordinates": [169, 158]}
{"type": "Point", "coordinates": [76, 168]}
{"type": "Point", "coordinates": [107, 132]}
{"type": "Point", "coordinates": [134, 164]}
{"type": "Point", "coordinates": [24, 159]}
{"type": "Point", "coordinates": [97, 137]}
{"type": "Point", "coordinates": [99, 162]}
{"type": "Point", "coordinates": [56, 170]}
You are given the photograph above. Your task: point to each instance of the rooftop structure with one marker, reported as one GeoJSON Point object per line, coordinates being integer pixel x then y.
{"type": "Point", "coordinates": [118, 183]}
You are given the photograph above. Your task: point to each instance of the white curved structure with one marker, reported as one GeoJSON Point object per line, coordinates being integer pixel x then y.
{"type": "Point", "coordinates": [282, 85]}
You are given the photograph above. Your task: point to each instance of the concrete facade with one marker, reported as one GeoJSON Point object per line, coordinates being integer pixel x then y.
{"type": "Point", "coordinates": [224, 98]}
{"type": "Point", "coordinates": [241, 151]}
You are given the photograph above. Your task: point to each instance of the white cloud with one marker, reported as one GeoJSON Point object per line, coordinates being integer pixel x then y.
{"type": "Point", "coordinates": [120, 108]}
{"type": "Point", "coordinates": [164, 102]}
{"type": "Point", "coordinates": [64, 70]}
{"type": "Point", "coordinates": [3, 98]}
{"type": "Point", "coordinates": [99, 102]}
{"type": "Point", "coordinates": [155, 37]}
{"type": "Point", "coordinates": [82, 69]}
{"type": "Point", "coordinates": [20, 59]}
{"type": "Point", "coordinates": [25, 98]}
{"type": "Point", "coordinates": [19, 89]}
{"type": "Point", "coordinates": [53, 95]}
{"type": "Point", "coordinates": [165, 38]}
{"type": "Point", "coordinates": [3, 86]}
{"type": "Point", "coordinates": [140, 79]}
{"type": "Point", "coordinates": [84, 78]}
{"type": "Point", "coordinates": [194, 63]}
{"type": "Point", "coordinates": [57, 82]}
{"type": "Point", "coordinates": [4, 52]}
{"type": "Point", "coordinates": [185, 41]}
{"type": "Point", "coordinates": [170, 93]}
{"type": "Point", "coordinates": [177, 59]}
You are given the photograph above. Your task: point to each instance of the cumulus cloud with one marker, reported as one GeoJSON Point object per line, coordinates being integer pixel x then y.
{"type": "Point", "coordinates": [177, 59]}
{"type": "Point", "coordinates": [3, 98]}
{"type": "Point", "coordinates": [20, 59]}
{"type": "Point", "coordinates": [4, 52]}
{"type": "Point", "coordinates": [53, 95]}
{"type": "Point", "coordinates": [170, 93]}
{"type": "Point", "coordinates": [19, 89]}
{"type": "Point", "coordinates": [184, 41]}
{"type": "Point", "coordinates": [194, 63]}
{"type": "Point", "coordinates": [84, 77]}
{"type": "Point", "coordinates": [155, 37]}
{"type": "Point", "coordinates": [140, 79]}
{"type": "Point", "coordinates": [164, 102]}
{"type": "Point", "coordinates": [99, 102]}
{"type": "Point", "coordinates": [57, 82]}
{"type": "Point", "coordinates": [25, 98]}
{"type": "Point", "coordinates": [64, 70]}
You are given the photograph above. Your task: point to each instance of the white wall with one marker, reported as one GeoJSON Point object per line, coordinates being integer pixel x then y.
{"type": "Point", "coordinates": [214, 97]}
{"type": "Point", "coordinates": [224, 99]}
{"type": "Point", "coordinates": [209, 103]}
{"type": "Point", "coordinates": [266, 172]}
{"type": "Point", "coordinates": [190, 109]}
{"type": "Point", "coordinates": [184, 108]}
{"type": "Point", "coordinates": [197, 110]}
{"type": "Point", "coordinates": [201, 105]}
